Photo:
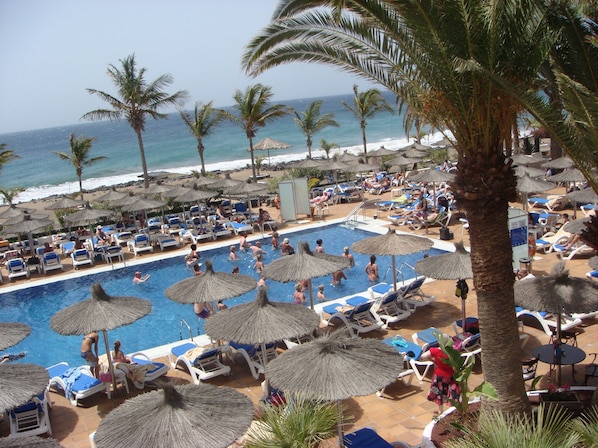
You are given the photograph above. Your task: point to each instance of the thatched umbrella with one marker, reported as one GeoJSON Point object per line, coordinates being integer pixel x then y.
{"type": "Point", "coordinates": [65, 202]}
{"type": "Point", "coordinates": [522, 170]}
{"type": "Point", "coordinates": [452, 266]}
{"type": "Point", "coordinates": [267, 144]}
{"type": "Point", "coordinates": [87, 215]}
{"type": "Point", "coordinates": [28, 442]}
{"type": "Point", "coordinates": [11, 333]}
{"type": "Point", "coordinates": [347, 157]}
{"type": "Point", "coordinates": [524, 159]}
{"type": "Point", "coordinates": [433, 176]}
{"type": "Point", "coordinates": [262, 321]}
{"type": "Point", "coordinates": [11, 212]}
{"type": "Point", "coordinates": [100, 312]}
{"type": "Point", "coordinates": [340, 367]}
{"type": "Point", "coordinates": [393, 244]}
{"type": "Point", "coordinates": [304, 265]}
{"type": "Point", "coordinates": [20, 382]}
{"type": "Point", "coordinates": [158, 189]}
{"type": "Point", "coordinates": [193, 194]}
{"type": "Point", "coordinates": [586, 196]}
{"type": "Point", "coordinates": [246, 189]}
{"type": "Point", "coordinates": [527, 185]}
{"type": "Point", "coordinates": [307, 163]}
{"type": "Point", "coordinates": [557, 293]}
{"type": "Point", "coordinates": [577, 225]}
{"type": "Point", "coordinates": [202, 416]}
{"type": "Point", "coordinates": [559, 163]}
{"type": "Point", "coordinates": [381, 152]}
{"type": "Point", "coordinates": [26, 226]}
{"type": "Point", "coordinates": [210, 286]}
{"type": "Point", "coordinates": [223, 183]}
{"type": "Point", "coordinates": [112, 195]}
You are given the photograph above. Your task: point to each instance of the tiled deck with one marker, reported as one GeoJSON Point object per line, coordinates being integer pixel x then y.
{"type": "Point", "coordinates": [405, 411]}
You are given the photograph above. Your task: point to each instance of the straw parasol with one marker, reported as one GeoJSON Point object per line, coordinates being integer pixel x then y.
{"type": "Point", "coordinates": [11, 212]}
{"type": "Point", "coordinates": [307, 163]}
{"type": "Point", "coordinates": [193, 194]}
{"type": "Point", "coordinates": [28, 442]}
{"type": "Point", "coordinates": [202, 416]}
{"type": "Point", "coordinates": [65, 202]}
{"type": "Point", "coordinates": [452, 266]}
{"type": "Point", "coordinates": [577, 225]}
{"type": "Point", "coordinates": [20, 382]}
{"type": "Point", "coordinates": [87, 215]}
{"type": "Point", "coordinates": [559, 163]}
{"type": "Point", "coordinates": [585, 196]}
{"type": "Point", "coordinates": [392, 243]}
{"type": "Point", "coordinates": [100, 312]}
{"type": "Point", "coordinates": [26, 226]}
{"type": "Point", "coordinates": [111, 195]}
{"type": "Point", "coordinates": [522, 170]}
{"type": "Point", "coordinates": [433, 176]}
{"type": "Point", "coordinates": [557, 293]}
{"type": "Point", "coordinates": [525, 159]}
{"type": "Point", "coordinates": [223, 183]}
{"type": "Point", "coordinates": [262, 321]}
{"type": "Point", "coordinates": [526, 185]}
{"type": "Point", "coordinates": [340, 367]}
{"type": "Point", "coordinates": [381, 152]}
{"type": "Point", "coordinates": [158, 188]}
{"type": "Point", "coordinates": [304, 265]}
{"type": "Point", "coordinates": [267, 144]}
{"type": "Point", "coordinates": [11, 333]}
{"type": "Point", "coordinates": [210, 287]}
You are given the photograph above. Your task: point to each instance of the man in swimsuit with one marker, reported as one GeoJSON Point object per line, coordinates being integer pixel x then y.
{"type": "Point", "coordinates": [89, 352]}
{"type": "Point", "coordinates": [201, 310]}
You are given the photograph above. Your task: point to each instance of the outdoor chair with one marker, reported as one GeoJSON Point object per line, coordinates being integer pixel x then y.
{"type": "Point", "coordinates": [591, 369]}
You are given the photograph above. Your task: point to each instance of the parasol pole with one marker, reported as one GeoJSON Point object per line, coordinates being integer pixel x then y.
{"type": "Point", "coordinates": [311, 294]}
{"type": "Point", "coordinates": [558, 354]}
{"type": "Point", "coordinates": [394, 271]}
{"type": "Point", "coordinates": [109, 358]}
{"type": "Point", "coordinates": [341, 436]}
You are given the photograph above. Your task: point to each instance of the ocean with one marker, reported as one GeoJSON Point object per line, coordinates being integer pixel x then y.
{"type": "Point", "coordinates": [169, 146]}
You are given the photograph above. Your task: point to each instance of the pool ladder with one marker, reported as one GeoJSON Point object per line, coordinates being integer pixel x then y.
{"type": "Point", "coordinates": [183, 323]}
{"type": "Point", "coordinates": [400, 270]}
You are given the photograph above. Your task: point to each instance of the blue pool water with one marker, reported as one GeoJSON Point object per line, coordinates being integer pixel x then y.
{"type": "Point", "coordinates": [35, 306]}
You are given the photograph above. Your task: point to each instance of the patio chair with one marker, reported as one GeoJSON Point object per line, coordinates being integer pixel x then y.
{"type": "Point", "coordinates": [67, 248]}
{"type": "Point", "coordinates": [111, 252]}
{"type": "Point", "coordinates": [254, 357]}
{"type": "Point", "coordinates": [141, 370]}
{"type": "Point", "coordinates": [389, 309]}
{"type": "Point", "coordinates": [81, 257]}
{"type": "Point", "coordinates": [76, 383]}
{"type": "Point", "coordinates": [238, 227]}
{"type": "Point", "coordinates": [528, 368]}
{"type": "Point", "coordinates": [356, 317]}
{"type": "Point", "coordinates": [165, 241]}
{"type": "Point", "coordinates": [174, 226]}
{"type": "Point", "coordinates": [141, 243]}
{"type": "Point", "coordinates": [367, 438]}
{"type": "Point", "coordinates": [51, 262]}
{"type": "Point", "coordinates": [547, 320]}
{"type": "Point", "coordinates": [17, 268]}
{"type": "Point", "coordinates": [32, 418]}
{"type": "Point", "coordinates": [412, 295]}
{"type": "Point", "coordinates": [202, 363]}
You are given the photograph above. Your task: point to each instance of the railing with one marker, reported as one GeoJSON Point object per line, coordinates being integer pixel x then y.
{"type": "Point", "coordinates": [182, 323]}
{"type": "Point", "coordinates": [402, 271]}
{"type": "Point", "coordinates": [354, 216]}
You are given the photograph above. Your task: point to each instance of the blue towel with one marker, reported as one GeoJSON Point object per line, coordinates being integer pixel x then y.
{"type": "Point", "coordinates": [69, 377]}
{"type": "Point", "coordinates": [400, 342]}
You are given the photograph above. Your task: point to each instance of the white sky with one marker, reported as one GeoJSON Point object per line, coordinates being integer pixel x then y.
{"type": "Point", "coordinates": [51, 51]}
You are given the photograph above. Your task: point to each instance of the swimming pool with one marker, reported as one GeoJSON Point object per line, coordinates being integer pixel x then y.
{"type": "Point", "coordinates": [36, 305]}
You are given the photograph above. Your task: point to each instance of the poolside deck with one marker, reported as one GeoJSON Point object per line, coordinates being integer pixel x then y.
{"type": "Point", "coordinates": [405, 411]}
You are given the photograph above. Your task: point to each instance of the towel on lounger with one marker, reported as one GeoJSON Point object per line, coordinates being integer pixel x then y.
{"type": "Point", "coordinates": [135, 372]}
{"type": "Point", "coordinates": [194, 353]}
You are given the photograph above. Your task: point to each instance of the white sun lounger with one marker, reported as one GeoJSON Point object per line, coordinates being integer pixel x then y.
{"type": "Point", "coordinates": [78, 385]}
{"type": "Point", "coordinates": [203, 365]}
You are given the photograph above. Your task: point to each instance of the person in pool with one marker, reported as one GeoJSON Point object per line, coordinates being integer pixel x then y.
{"type": "Point", "coordinates": [89, 352]}
{"type": "Point", "coordinates": [372, 269]}
{"type": "Point", "coordinates": [201, 310]}
{"type": "Point", "coordinates": [138, 278]}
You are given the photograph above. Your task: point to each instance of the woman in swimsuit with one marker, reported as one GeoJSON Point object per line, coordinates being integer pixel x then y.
{"type": "Point", "coordinates": [372, 269]}
{"type": "Point", "coordinates": [89, 352]}
{"type": "Point", "coordinates": [201, 310]}
{"type": "Point", "coordinates": [118, 355]}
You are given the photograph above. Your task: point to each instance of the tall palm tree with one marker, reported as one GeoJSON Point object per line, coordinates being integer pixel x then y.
{"type": "Point", "coordinates": [254, 111]}
{"type": "Point", "coordinates": [79, 156]}
{"type": "Point", "coordinates": [136, 99]}
{"type": "Point", "coordinates": [366, 104]}
{"type": "Point", "coordinates": [6, 155]}
{"type": "Point", "coordinates": [201, 124]}
{"type": "Point", "coordinates": [327, 147]}
{"type": "Point", "coordinates": [443, 59]}
{"type": "Point", "coordinates": [9, 195]}
{"type": "Point", "coordinates": [311, 121]}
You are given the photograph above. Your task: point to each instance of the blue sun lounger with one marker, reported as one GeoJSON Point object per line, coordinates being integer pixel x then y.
{"type": "Point", "coordinates": [365, 438]}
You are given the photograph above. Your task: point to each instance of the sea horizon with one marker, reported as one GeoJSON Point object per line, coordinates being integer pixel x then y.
{"type": "Point", "coordinates": [170, 147]}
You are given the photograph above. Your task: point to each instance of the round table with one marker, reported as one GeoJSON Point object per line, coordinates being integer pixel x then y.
{"type": "Point", "coordinates": [570, 356]}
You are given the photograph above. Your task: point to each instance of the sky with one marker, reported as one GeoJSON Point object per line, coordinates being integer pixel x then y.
{"type": "Point", "coordinates": [51, 51]}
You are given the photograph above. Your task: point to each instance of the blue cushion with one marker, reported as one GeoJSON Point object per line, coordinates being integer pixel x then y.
{"type": "Point", "coordinates": [357, 300]}
{"type": "Point", "coordinates": [366, 438]}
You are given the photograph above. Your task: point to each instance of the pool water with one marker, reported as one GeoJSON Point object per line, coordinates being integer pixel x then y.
{"type": "Point", "coordinates": [35, 306]}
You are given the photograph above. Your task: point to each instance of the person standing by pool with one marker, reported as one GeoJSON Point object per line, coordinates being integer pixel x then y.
{"type": "Point", "coordinates": [89, 352]}
{"type": "Point", "coordinates": [348, 256]}
{"type": "Point", "coordinates": [256, 249]}
{"type": "Point", "coordinates": [197, 269]}
{"type": "Point", "coordinates": [201, 310]}
{"type": "Point", "coordinates": [259, 264]}
{"type": "Point", "coordinates": [372, 269]}
{"type": "Point", "coordinates": [243, 244]}
{"type": "Point", "coordinates": [320, 295]}
{"type": "Point", "coordinates": [443, 387]}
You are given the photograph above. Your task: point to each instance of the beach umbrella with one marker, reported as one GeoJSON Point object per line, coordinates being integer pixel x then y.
{"type": "Point", "coordinates": [11, 212]}
{"type": "Point", "coordinates": [21, 382]}
{"type": "Point", "coordinates": [361, 167]}
{"type": "Point", "coordinates": [101, 312]}
{"type": "Point", "coordinates": [267, 144]}
{"type": "Point", "coordinates": [527, 185]}
{"type": "Point", "coordinates": [451, 266]}
{"type": "Point", "coordinates": [29, 442]}
{"type": "Point", "coordinates": [346, 157]}
{"type": "Point", "coordinates": [156, 189]}
{"type": "Point", "coordinates": [525, 159]}
{"type": "Point", "coordinates": [211, 286]}
{"type": "Point", "coordinates": [202, 181]}
{"type": "Point", "coordinates": [340, 367]}
{"type": "Point", "coordinates": [569, 175]}
{"type": "Point", "coordinates": [381, 152]}
{"type": "Point", "coordinates": [308, 163]}
{"type": "Point", "coordinates": [112, 195]}
{"type": "Point", "coordinates": [202, 416]}
{"type": "Point", "coordinates": [223, 183]}
{"type": "Point", "coordinates": [246, 189]}
{"type": "Point", "coordinates": [401, 160]}
{"type": "Point", "coordinates": [26, 226]}
{"type": "Point", "coordinates": [193, 194]}
{"type": "Point", "coordinates": [577, 225]}
{"type": "Point", "coordinates": [557, 293]}
{"type": "Point", "coordinates": [304, 265]}
{"type": "Point", "coordinates": [65, 202]}
{"type": "Point", "coordinates": [522, 170]}
{"type": "Point", "coordinates": [585, 196]}
{"type": "Point", "coordinates": [87, 216]}
{"type": "Point", "coordinates": [559, 163]}
{"type": "Point", "coordinates": [433, 176]}
{"type": "Point", "coordinates": [393, 244]}
{"type": "Point", "coordinates": [11, 333]}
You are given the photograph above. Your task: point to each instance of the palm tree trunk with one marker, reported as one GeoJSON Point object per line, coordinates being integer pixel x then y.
{"type": "Point", "coordinates": [80, 185]}
{"type": "Point", "coordinates": [309, 146]}
{"type": "Point", "coordinates": [143, 162]}
{"type": "Point", "coordinates": [203, 164]}
{"type": "Point", "coordinates": [252, 161]}
{"type": "Point", "coordinates": [365, 146]}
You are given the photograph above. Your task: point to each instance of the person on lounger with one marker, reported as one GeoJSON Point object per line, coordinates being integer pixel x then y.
{"type": "Point", "coordinates": [118, 355]}
{"type": "Point", "coordinates": [89, 352]}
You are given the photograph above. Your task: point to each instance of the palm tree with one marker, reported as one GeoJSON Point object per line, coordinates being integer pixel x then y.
{"type": "Point", "coordinates": [425, 53]}
{"type": "Point", "coordinates": [9, 195]}
{"type": "Point", "coordinates": [366, 104]}
{"type": "Point", "coordinates": [254, 111]}
{"type": "Point", "coordinates": [327, 147]}
{"type": "Point", "coordinates": [201, 124]}
{"type": "Point", "coordinates": [6, 155]}
{"type": "Point", "coordinates": [136, 99]}
{"type": "Point", "coordinates": [310, 121]}
{"type": "Point", "coordinates": [79, 156]}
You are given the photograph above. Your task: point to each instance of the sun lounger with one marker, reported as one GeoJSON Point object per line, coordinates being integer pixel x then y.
{"type": "Point", "coordinates": [410, 351]}
{"type": "Point", "coordinates": [165, 241]}
{"type": "Point", "coordinates": [239, 227]}
{"type": "Point", "coordinates": [356, 318]}
{"type": "Point", "coordinates": [220, 230]}
{"type": "Point", "coordinates": [203, 363]}
{"type": "Point", "coordinates": [141, 243]}
{"type": "Point", "coordinates": [547, 320]}
{"type": "Point", "coordinates": [577, 249]}
{"type": "Point", "coordinates": [51, 262]}
{"type": "Point", "coordinates": [121, 238]}
{"type": "Point", "coordinates": [113, 252]}
{"type": "Point", "coordinates": [76, 383]}
{"type": "Point", "coordinates": [378, 290]}
{"type": "Point", "coordinates": [141, 370]}
{"type": "Point", "coordinates": [389, 309]}
{"type": "Point", "coordinates": [592, 274]}
{"type": "Point", "coordinates": [174, 226]}
{"type": "Point", "coordinates": [412, 295]}
{"type": "Point", "coordinates": [366, 438]}
{"type": "Point", "coordinates": [195, 236]}
{"type": "Point", "coordinates": [32, 418]}
{"type": "Point", "coordinates": [254, 357]}
{"type": "Point", "coordinates": [67, 248]}
{"type": "Point", "coordinates": [17, 268]}
{"type": "Point", "coordinates": [81, 257]}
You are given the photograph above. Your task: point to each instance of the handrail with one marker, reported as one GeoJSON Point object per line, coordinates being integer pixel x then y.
{"type": "Point", "coordinates": [181, 323]}
{"type": "Point", "coordinates": [352, 217]}
{"type": "Point", "coordinates": [400, 270]}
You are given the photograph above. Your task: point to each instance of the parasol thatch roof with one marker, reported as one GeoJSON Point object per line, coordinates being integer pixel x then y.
{"type": "Point", "coordinates": [577, 225]}
{"type": "Point", "coordinates": [11, 333]}
{"type": "Point", "coordinates": [28, 442]}
{"type": "Point", "coordinates": [452, 266]}
{"type": "Point", "coordinates": [193, 194]}
{"type": "Point", "coordinates": [210, 286]}
{"type": "Point", "coordinates": [527, 184]}
{"type": "Point", "coordinates": [157, 188]}
{"type": "Point", "coordinates": [338, 367]}
{"type": "Point", "coordinates": [586, 195]}
{"type": "Point", "coordinates": [557, 292]}
{"type": "Point", "coordinates": [570, 175]}
{"type": "Point", "coordinates": [382, 151]}
{"type": "Point", "coordinates": [432, 175]}
{"type": "Point", "coordinates": [65, 202]}
{"type": "Point", "coordinates": [20, 382]}
{"type": "Point", "coordinates": [137, 203]}
{"type": "Point", "coordinates": [87, 215]}
{"type": "Point", "coordinates": [245, 188]}
{"type": "Point", "coordinates": [307, 163]}
{"type": "Point", "coordinates": [522, 170]}
{"type": "Point", "coordinates": [112, 195]}
{"type": "Point", "coordinates": [392, 243]}
{"type": "Point", "coordinates": [100, 312]}
{"type": "Point", "coordinates": [269, 143]}
{"type": "Point", "coordinates": [187, 415]}
{"type": "Point", "coordinates": [559, 163]}
{"type": "Point", "coordinates": [262, 321]}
